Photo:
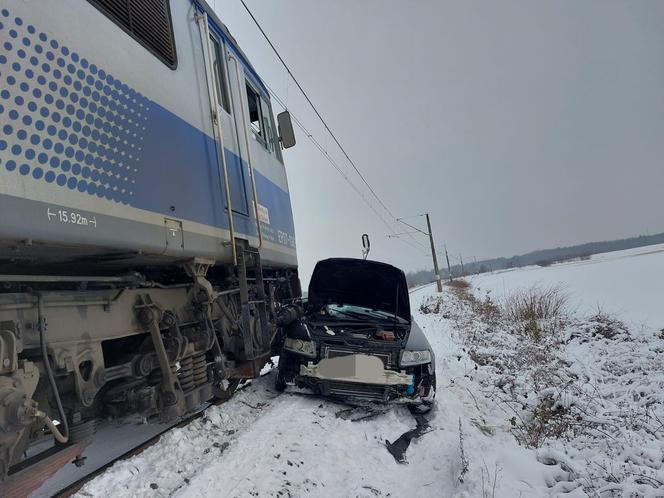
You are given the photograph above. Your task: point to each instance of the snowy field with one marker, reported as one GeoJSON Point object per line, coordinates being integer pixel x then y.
{"type": "Point", "coordinates": [627, 283]}
{"type": "Point", "coordinates": [606, 415]}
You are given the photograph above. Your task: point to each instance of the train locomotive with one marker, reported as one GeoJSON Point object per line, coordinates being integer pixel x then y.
{"type": "Point", "coordinates": [147, 243]}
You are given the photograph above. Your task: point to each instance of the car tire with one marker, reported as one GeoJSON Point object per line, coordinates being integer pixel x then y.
{"type": "Point", "coordinates": [280, 381]}
{"type": "Point", "coordinates": [421, 408]}
{"type": "Point", "coordinates": [426, 405]}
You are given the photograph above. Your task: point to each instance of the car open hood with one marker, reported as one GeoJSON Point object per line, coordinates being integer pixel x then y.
{"type": "Point", "coordinates": [357, 282]}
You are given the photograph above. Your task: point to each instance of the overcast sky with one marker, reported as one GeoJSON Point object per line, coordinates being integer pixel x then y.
{"type": "Point", "coordinates": [517, 125]}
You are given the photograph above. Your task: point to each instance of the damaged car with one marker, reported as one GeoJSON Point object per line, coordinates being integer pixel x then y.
{"type": "Point", "coordinates": [357, 340]}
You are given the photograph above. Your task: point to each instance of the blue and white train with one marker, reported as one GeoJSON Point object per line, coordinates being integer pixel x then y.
{"type": "Point", "coordinates": [147, 244]}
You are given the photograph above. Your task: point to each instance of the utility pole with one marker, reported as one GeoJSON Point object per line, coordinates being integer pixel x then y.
{"type": "Point", "coordinates": [439, 284]}
{"type": "Point", "coordinates": [429, 233]}
{"type": "Point", "coordinates": [463, 272]}
{"type": "Point", "coordinates": [449, 270]}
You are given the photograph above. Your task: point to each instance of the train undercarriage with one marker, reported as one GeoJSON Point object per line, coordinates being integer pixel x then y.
{"type": "Point", "coordinates": [78, 349]}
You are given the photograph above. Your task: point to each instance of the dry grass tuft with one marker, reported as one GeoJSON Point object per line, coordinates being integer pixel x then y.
{"type": "Point", "coordinates": [485, 307]}
{"type": "Point", "coordinates": [537, 311]}
{"type": "Point", "coordinates": [602, 325]}
{"type": "Point", "coordinates": [458, 283]}
{"type": "Point", "coordinates": [536, 303]}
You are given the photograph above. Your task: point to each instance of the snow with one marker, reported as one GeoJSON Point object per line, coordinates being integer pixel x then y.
{"type": "Point", "coordinates": [261, 443]}
{"type": "Point", "coordinates": [112, 439]}
{"type": "Point", "coordinates": [627, 283]}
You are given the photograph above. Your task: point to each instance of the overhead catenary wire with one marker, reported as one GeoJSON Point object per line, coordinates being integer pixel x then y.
{"type": "Point", "coordinates": [400, 220]}
{"type": "Point", "coordinates": [323, 149]}
{"type": "Point", "coordinates": [336, 166]}
{"type": "Point", "coordinates": [315, 109]}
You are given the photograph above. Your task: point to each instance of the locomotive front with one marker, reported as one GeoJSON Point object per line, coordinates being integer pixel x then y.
{"type": "Point", "coordinates": [147, 246]}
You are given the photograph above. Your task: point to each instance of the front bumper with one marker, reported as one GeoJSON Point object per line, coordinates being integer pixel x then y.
{"type": "Point", "coordinates": [355, 368]}
{"type": "Point", "coordinates": [362, 377]}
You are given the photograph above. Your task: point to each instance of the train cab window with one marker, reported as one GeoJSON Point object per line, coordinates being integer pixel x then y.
{"type": "Point", "coordinates": [256, 115]}
{"type": "Point", "coordinates": [147, 21]}
{"type": "Point", "coordinates": [219, 69]}
{"type": "Point", "coordinates": [261, 122]}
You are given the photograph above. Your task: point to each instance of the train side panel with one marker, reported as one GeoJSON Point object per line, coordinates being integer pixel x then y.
{"type": "Point", "coordinates": [105, 148]}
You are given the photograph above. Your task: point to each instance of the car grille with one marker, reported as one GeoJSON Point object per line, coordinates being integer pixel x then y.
{"type": "Point", "coordinates": [358, 390]}
{"type": "Point", "coordinates": [334, 352]}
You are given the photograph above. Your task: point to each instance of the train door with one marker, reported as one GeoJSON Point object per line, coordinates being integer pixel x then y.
{"type": "Point", "coordinates": [234, 167]}
{"type": "Point", "coordinates": [248, 122]}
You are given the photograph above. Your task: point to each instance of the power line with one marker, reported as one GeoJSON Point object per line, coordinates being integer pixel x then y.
{"type": "Point", "coordinates": [410, 217]}
{"type": "Point", "coordinates": [418, 249]}
{"type": "Point", "coordinates": [402, 233]}
{"type": "Point", "coordinates": [334, 164]}
{"type": "Point", "coordinates": [400, 220]}
{"type": "Point", "coordinates": [417, 230]}
{"type": "Point", "coordinates": [334, 137]}
{"type": "Point", "coordinates": [323, 150]}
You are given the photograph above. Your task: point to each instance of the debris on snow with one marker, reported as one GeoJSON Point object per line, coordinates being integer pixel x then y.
{"type": "Point", "coordinates": [398, 448]}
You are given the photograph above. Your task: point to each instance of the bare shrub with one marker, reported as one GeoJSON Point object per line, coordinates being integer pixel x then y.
{"type": "Point", "coordinates": [537, 311]}
{"type": "Point", "coordinates": [465, 465]}
{"type": "Point", "coordinates": [546, 420]}
{"type": "Point", "coordinates": [489, 480]}
{"type": "Point", "coordinates": [462, 290]}
{"type": "Point", "coordinates": [536, 303]}
{"type": "Point", "coordinates": [459, 283]}
{"type": "Point", "coordinates": [485, 307]}
{"type": "Point", "coordinates": [431, 305]}
{"type": "Point", "coordinates": [606, 326]}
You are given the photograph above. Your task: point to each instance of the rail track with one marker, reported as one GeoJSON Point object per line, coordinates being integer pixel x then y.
{"type": "Point", "coordinates": [75, 486]}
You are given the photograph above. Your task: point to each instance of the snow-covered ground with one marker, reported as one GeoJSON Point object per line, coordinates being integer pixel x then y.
{"type": "Point", "coordinates": [628, 283]}
{"type": "Point", "coordinates": [264, 444]}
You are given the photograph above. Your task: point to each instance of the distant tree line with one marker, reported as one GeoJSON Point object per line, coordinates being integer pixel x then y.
{"type": "Point", "coordinates": [542, 257]}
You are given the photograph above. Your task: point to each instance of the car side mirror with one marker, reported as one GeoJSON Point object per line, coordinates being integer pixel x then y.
{"type": "Point", "coordinates": [286, 133]}
{"type": "Point", "coordinates": [366, 246]}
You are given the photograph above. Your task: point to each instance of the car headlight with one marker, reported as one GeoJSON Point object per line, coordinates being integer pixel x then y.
{"type": "Point", "coordinates": [305, 348]}
{"type": "Point", "coordinates": [410, 358]}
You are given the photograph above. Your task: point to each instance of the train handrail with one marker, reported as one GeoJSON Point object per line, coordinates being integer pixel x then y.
{"type": "Point", "coordinates": [216, 121]}
{"type": "Point", "coordinates": [245, 125]}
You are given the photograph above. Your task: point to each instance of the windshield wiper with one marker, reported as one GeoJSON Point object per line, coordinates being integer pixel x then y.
{"type": "Point", "coordinates": [386, 315]}
{"type": "Point", "coordinates": [351, 314]}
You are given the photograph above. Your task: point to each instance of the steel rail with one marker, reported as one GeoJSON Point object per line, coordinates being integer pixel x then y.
{"type": "Point", "coordinates": [72, 488]}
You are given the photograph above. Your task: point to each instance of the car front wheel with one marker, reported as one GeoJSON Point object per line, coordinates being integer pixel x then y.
{"type": "Point", "coordinates": [283, 368]}
{"type": "Point", "coordinates": [421, 408]}
{"type": "Point", "coordinates": [427, 403]}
